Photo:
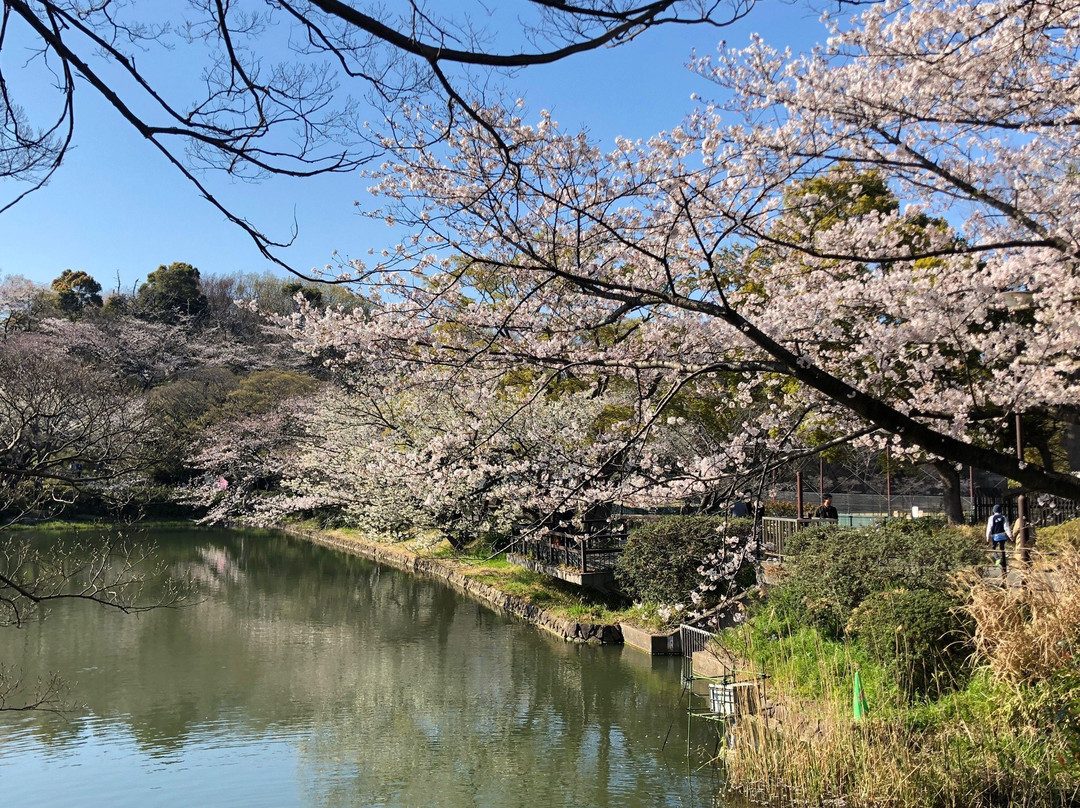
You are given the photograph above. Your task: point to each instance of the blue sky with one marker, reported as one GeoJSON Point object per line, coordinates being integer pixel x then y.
{"type": "Point", "coordinates": [117, 210]}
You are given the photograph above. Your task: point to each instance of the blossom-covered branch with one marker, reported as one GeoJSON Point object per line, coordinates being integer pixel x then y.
{"type": "Point", "coordinates": [880, 226]}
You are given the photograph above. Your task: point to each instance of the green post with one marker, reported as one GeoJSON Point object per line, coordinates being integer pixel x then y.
{"type": "Point", "coordinates": [858, 699]}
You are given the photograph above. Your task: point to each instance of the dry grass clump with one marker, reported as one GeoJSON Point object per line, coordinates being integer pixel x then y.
{"type": "Point", "coordinates": [884, 761]}
{"type": "Point", "coordinates": [1027, 633]}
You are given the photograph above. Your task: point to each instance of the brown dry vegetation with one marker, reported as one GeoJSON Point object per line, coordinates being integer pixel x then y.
{"type": "Point", "coordinates": [1028, 633]}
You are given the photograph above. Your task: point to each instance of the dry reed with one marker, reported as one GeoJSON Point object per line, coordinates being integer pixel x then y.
{"type": "Point", "coordinates": [1026, 633]}
{"type": "Point", "coordinates": [883, 762]}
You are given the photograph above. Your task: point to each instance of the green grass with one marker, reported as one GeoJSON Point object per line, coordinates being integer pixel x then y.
{"type": "Point", "coordinates": [647, 616]}
{"type": "Point", "coordinates": [806, 666]}
{"type": "Point", "coordinates": [550, 594]}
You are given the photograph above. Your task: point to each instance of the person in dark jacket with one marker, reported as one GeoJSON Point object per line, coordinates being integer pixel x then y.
{"type": "Point", "coordinates": [826, 511]}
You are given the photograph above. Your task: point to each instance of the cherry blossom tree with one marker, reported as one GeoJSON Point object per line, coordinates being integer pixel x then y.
{"type": "Point", "coordinates": [65, 429]}
{"type": "Point", "coordinates": [145, 354]}
{"type": "Point", "coordinates": [706, 428]}
{"type": "Point", "coordinates": [468, 459]}
{"type": "Point", "coordinates": [17, 296]}
{"type": "Point", "coordinates": [663, 265]}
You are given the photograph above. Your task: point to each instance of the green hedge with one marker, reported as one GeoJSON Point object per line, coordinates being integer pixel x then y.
{"type": "Point", "coordinates": [919, 635]}
{"type": "Point", "coordinates": [660, 561]}
{"type": "Point", "coordinates": [830, 570]}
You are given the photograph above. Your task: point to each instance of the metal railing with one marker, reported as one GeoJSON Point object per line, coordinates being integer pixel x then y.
{"type": "Point", "coordinates": [879, 505]}
{"type": "Point", "coordinates": [692, 640]}
{"type": "Point", "coordinates": [1043, 510]}
{"type": "Point", "coordinates": [776, 530]}
{"type": "Point", "coordinates": [597, 552]}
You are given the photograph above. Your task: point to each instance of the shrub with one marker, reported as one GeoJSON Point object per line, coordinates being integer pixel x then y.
{"type": "Point", "coordinates": [258, 393]}
{"type": "Point", "coordinates": [831, 570]}
{"type": "Point", "coordinates": [1057, 538]}
{"type": "Point", "coordinates": [660, 561]}
{"type": "Point", "coordinates": [916, 634]}
{"type": "Point", "coordinates": [782, 508]}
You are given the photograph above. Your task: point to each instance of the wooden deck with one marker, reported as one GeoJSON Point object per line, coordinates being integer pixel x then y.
{"type": "Point", "coordinates": [581, 559]}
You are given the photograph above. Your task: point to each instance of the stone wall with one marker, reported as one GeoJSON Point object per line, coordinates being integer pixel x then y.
{"type": "Point", "coordinates": [402, 559]}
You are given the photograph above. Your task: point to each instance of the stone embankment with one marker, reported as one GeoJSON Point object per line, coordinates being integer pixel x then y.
{"type": "Point", "coordinates": [402, 559]}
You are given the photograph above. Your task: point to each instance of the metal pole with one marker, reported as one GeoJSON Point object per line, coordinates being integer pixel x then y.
{"type": "Point", "coordinates": [821, 477]}
{"type": "Point", "coordinates": [798, 495]}
{"type": "Point", "coordinates": [1021, 500]}
{"type": "Point", "coordinates": [888, 481]}
{"type": "Point", "coordinates": [971, 493]}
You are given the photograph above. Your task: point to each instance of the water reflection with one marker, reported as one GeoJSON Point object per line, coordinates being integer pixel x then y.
{"type": "Point", "coordinates": [303, 677]}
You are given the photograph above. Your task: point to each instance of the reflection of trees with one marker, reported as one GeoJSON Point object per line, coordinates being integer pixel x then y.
{"type": "Point", "coordinates": [514, 719]}
{"type": "Point", "coordinates": [297, 640]}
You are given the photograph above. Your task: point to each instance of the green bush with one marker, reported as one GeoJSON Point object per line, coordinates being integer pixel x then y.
{"type": "Point", "coordinates": [918, 635]}
{"type": "Point", "coordinates": [830, 570]}
{"type": "Point", "coordinates": [781, 508]}
{"type": "Point", "coordinates": [259, 392]}
{"type": "Point", "coordinates": [660, 561]}
{"type": "Point", "coordinates": [1059, 537]}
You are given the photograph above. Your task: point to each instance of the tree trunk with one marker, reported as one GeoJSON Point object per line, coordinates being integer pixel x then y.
{"type": "Point", "coordinates": [950, 495]}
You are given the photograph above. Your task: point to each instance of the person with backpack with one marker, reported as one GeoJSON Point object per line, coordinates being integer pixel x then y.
{"type": "Point", "coordinates": [997, 533]}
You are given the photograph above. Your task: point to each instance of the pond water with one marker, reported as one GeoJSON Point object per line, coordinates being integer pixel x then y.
{"type": "Point", "coordinates": [304, 677]}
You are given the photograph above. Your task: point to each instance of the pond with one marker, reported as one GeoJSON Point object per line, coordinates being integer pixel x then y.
{"type": "Point", "coordinates": [304, 677]}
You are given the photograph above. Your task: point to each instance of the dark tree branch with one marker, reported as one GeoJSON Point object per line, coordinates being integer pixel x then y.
{"type": "Point", "coordinates": [298, 119]}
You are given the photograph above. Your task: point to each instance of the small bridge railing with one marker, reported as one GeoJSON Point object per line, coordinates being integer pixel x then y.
{"type": "Point", "coordinates": [777, 530]}
{"type": "Point", "coordinates": [595, 552]}
{"type": "Point", "coordinates": [692, 639]}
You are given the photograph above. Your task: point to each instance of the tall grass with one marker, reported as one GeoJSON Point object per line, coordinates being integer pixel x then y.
{"type": "Point", "coordinates": [1029, 633]}
{"type": "Point", "coordinates": [1009, 737]}
{"type": "Point", "coordinates": [888, 760]}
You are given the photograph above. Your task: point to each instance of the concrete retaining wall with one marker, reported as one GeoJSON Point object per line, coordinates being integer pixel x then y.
{"type": "Point", "coordinates": [433, 568]}
{"type": "Point", "coordinates": [655, 644]}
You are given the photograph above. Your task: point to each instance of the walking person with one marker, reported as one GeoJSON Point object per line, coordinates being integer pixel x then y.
{"type": "Point", "coordinates": [1029, 533]}
{"type": "Point", "coordinates": [1023, 538]}
{"type": "Point", "coordinates": [997, 533]}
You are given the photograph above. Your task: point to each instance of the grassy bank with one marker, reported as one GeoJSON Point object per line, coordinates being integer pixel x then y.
{"type": "Point", "coordinates": [556, 597]}
{"type": "Point", "coordinates": [72, 525]}
{"type": "Point", "coordinates": [988, 744]}
{"type": "Point", "coordinates": [1000, 727]}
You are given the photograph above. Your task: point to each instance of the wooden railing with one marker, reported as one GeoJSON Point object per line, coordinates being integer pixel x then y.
{"type": "Point", "coordinates": [775, 531]}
